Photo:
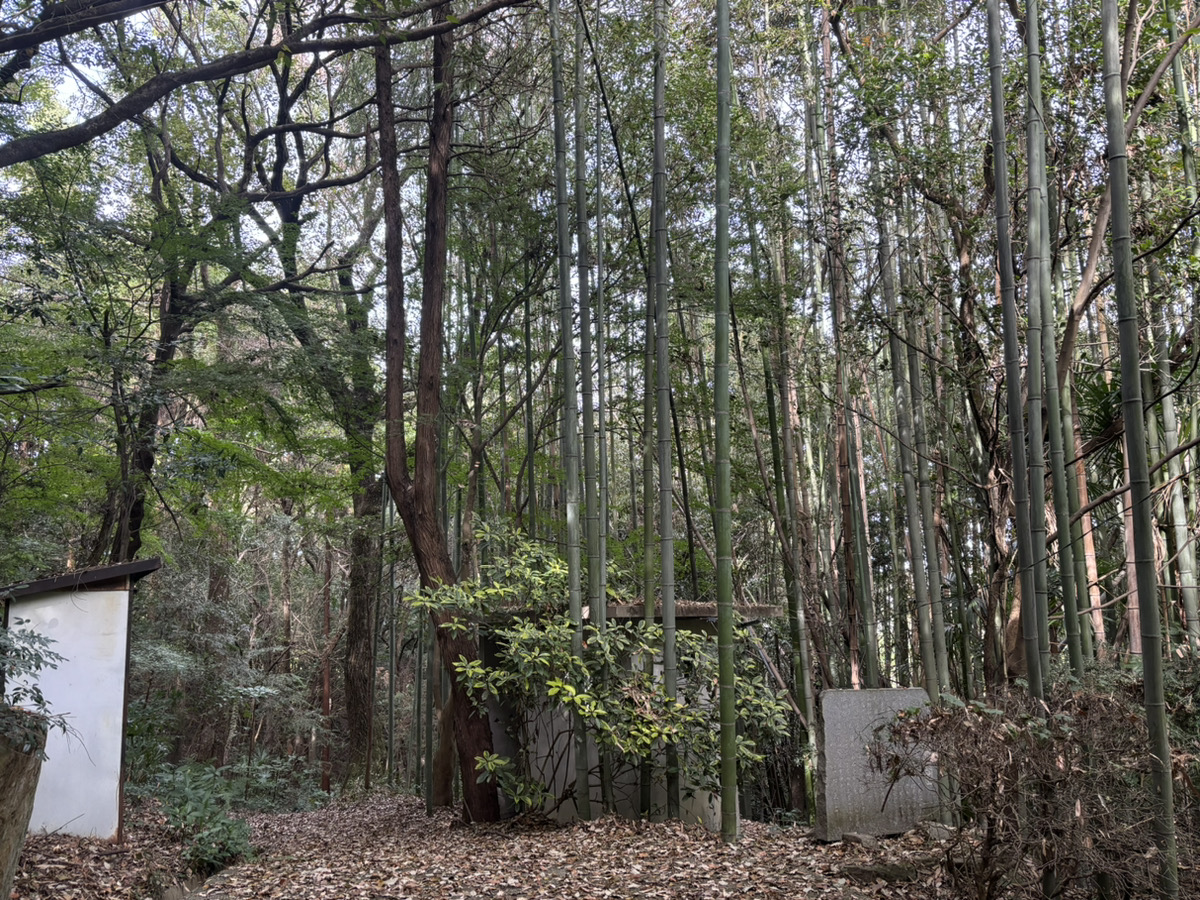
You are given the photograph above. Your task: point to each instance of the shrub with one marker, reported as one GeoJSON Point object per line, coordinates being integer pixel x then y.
{"type": "Point", "coordinates": [196, 800]}
{"type": "Point", "coordinates": [1052, 798]}
{"type": "Point", "coordinates": [624, 708]}
{"type": "Point", "coordinates": [25, 714]}
{"type": "Point", "coordinates": [145, 750]}
{"type": "Point", "coordinates": [274, 784]}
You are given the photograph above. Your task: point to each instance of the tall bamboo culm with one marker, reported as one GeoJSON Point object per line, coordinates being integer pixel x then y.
{"type": "Point", "coordinates": [570, 414]}
{"type": "Point", "coordinates": [1135, 450]}
{"type": "Point", "coordinates": [724, 518]}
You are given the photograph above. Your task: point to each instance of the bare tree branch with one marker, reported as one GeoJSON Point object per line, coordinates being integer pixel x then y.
{"type": "Point", "coordinates": [137, 101]}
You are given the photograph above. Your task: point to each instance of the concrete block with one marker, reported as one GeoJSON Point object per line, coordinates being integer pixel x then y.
{"type": "Point", "coordinates": [850, 796]}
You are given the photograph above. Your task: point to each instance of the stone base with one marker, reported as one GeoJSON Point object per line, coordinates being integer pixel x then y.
{"type": "Point", "coordinates": [18, 783]}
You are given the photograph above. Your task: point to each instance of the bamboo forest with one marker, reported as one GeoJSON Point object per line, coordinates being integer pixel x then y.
{"type": "Point", "coordinates": [532, 427]}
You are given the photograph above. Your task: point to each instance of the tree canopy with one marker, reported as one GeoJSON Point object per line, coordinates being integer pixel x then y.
{"type": "Point", "coordinates": [329, 301]}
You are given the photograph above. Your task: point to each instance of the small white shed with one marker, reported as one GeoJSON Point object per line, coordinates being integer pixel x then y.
{"type": "Point", "coordinates": [86, 615]}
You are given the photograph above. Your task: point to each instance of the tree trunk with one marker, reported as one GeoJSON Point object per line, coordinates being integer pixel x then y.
{"type": "Point", "coordinates": [415, 493]}
{"type": "Point", "coordinates": [662, 370]}
{"type": "Point", "coordinates": [925, 490]}
{"type": "Point", "coordinates": [19, 770]}
{"type": "Point", "coordinates": [570, 406]}
{"type": "Point", "coordinates": [723, 522]}
{"type": "Point", "coordinates": [361, 595]}
{"type": "Point", "coordinates": [1037, 268]}
{"type": "Point", "coordinates": [600, 607]}
{"type": "Point", "coordinates": [1012, 353]}
{"type": "Point", "coordinates": [900, 395]}
{"type": "Point", "coordinates": [1185, 552]}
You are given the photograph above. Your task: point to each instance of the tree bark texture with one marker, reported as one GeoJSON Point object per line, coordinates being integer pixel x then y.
{"type": "Point", "coordinates": [415, 491]}
{"type": "Point", "coordinates": [358, 664]}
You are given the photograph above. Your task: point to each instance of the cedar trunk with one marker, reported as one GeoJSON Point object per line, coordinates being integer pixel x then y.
{"type": "Point", "coordinates": [415, 492]}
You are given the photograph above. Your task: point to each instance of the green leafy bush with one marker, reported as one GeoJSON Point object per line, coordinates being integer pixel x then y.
{"type": "Point", "coordinates": [145, 749]}
{"type": "Point", "coordinates": [535, 674]}
{"type": "Point", "coordinates": [274, 784]}
{"type": "Point", "coordinates": [25, 715]}
{"type": "Point", "coordinates": [196, 800]}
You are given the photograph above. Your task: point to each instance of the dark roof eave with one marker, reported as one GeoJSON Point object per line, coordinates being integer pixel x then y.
{"type": "Point", "coordinates": [138, 568]}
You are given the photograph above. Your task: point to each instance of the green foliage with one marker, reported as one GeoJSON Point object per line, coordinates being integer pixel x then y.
{"type": "Point", "coordinates": [523, 577]}
{"type": "Point", "coordinates": [206, 674]}
{"type": "Point", "coordinates": [25, 713]}
{"type": "Point", "coordinates": [196, 800]}
{"type": "Point", "coordinates": [274, 784]}
{"type": "Point", "coordinates": [145, 749]}
{"type": "Point", "coordinates": [538, 679]}
{"type": "Point", "coordinates": [527, 794]}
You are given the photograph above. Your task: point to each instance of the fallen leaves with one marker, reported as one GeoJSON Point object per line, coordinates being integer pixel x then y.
{"type": "Point", "coordinates": [385, 848]}
{"type": "Point", "coordinates": [145, 867]}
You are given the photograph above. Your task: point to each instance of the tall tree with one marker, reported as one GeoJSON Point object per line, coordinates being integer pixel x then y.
{"type": "Point", "coordinates": [723, 520]}
{"type": "Point", "coordinates": [414, 490]}
{"type": "Point", "coordinates": [1012, 352]}
{"type": "Point", "coordinates": [570, 404]}
{"type": "Point", "coordinates": [662, 370]}
{"type": "Point", "coordinates": [1039, 281]}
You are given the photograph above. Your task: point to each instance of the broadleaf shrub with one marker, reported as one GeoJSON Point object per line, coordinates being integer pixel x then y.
{"type": "Point", "coordinates": [270, 783]}
{"type": "Point", "coordinates": [25, 714]}
{"type": "Point", "coordinates": [196, 800]}
{"type": "Point", "coordinates": [519, 600]}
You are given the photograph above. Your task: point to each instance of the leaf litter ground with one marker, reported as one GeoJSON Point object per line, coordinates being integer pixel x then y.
{"type": "Point", "coordinates": [385, 848]}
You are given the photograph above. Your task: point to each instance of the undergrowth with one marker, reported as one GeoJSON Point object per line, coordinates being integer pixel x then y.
{"type": "Point", "coordinates": [199, 801]}
{"type": "Point", "coordinates": [1054, 799]}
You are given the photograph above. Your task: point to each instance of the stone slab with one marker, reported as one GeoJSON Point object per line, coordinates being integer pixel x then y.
{"type": "Point", "coordinates": [850, 796]}
{"type": "Point", "coordinates": [18, 783]}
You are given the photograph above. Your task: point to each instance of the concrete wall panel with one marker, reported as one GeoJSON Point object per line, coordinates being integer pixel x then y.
{"type": "Point", "coordinates": [80, 788]}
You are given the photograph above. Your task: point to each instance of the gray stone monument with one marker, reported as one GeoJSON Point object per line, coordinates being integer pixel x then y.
{"type": "Point", "coordinates": [851, 798]}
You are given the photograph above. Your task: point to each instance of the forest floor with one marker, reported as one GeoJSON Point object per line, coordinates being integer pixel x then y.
{"type": "Point", "coordinates": [385, 848]}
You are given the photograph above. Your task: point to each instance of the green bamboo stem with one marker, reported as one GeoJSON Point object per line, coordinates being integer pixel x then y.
{"type": "Point", "coordinates": [1139, 470]}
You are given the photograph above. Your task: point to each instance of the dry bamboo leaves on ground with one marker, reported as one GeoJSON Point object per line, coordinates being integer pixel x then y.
{"type": "Point", "coordinates": [384, 848]}
{"type": "Point", "coordinates": [144, 867]}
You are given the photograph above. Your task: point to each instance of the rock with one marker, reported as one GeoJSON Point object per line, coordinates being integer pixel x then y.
{"type": "Point", "coordinates": [891, 872]}
{"type": "Point", "coordinates": [936, 831]}
{"type": "Point", "coordinates": [179, 890]}
{"type": "Point", "coordinates": [866, 841]}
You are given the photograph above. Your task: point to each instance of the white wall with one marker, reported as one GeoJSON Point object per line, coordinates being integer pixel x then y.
{"type": "Point", "coordinates": [79, 791]}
